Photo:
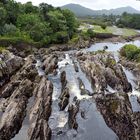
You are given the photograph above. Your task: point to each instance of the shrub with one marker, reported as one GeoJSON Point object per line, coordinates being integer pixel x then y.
{"type": "Point", "coordinates": [10, 29]}
{"type": "Point", "coordinates": [2, 48]}
{"type": "Point", "coordinates": [74, 39]}
{"type": "Point", "coordinates": [91, 33]}
{"type": "Point", "coordinates": [131, 52]}
{"type": "Point", "coordinates": [60, 37]}
{"type": "Point", "coordinates": [103, 26]}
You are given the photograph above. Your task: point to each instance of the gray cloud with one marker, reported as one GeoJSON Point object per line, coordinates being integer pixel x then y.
{"type": "Point", "coordinates": [93, 4]}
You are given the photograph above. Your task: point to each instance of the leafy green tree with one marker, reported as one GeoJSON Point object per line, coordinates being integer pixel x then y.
{"type": "Point", "coordinates": [129, 20]}
{"type": "Point", "coordinates": [27, 21]}
{"type": "Point", "coordinates": [44, 24]}
{"type": "Point", "coordinates": [44, 8]}
{"type": "Point", "coordinates": [13, 11]}
{"type": "Point", "coordinates": [2, 18]}
{"type": "Point", "coordinates": [60, 37]}
{"type": "Point", "coordinates": [57, 21]}
{"type": "Point", "coordinates": [10, 30]}
{"type": "Point", "coordinates": [39, 31]}
{"type": "Point", "coordinates": [29, 8]}
{"type": "Point", "coordinates": [130, 51]}
{"type": "Point", "coordinates": [72, 23]}
{"type": "Point", "coordinates": [91, 33]}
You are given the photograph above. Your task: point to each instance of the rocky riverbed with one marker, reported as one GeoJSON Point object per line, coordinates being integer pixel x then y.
{"type": "Point", "coordinates": [55, 94]}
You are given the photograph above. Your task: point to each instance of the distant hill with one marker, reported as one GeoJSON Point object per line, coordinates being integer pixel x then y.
{"type": "Point", "coordinates": [83, 11]}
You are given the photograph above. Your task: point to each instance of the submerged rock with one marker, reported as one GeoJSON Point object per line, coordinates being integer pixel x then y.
{"type": "Point", "coordinates": [73, 110]}
{"type": "Point", "coordinates": [117, 112]}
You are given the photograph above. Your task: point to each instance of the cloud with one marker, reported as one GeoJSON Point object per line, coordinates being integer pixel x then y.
{"type": "Point", "coordinates": [93, 4]}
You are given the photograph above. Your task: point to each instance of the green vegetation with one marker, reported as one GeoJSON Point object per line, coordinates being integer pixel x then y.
{"type": "Point", "coordinates": [131, 52]}
{"type": "Point", "coordinates": [41, 25]}
{"type": "Point", "coordinates": [2, 49]}
{"type": "Point", "coordinates": [129, 20]}
{"type": "Point", "coordinates": [112, 29]}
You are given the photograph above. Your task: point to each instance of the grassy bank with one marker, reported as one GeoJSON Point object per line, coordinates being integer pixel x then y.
{"type": "Point", "coordinates": [125, 32]}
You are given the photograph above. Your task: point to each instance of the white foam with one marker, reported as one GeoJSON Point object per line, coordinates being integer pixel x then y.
{"type": "Point", "coordinates": [111, 90]}
{"type": "Point", "coordinates": [39, 69]}
{"type": "Point", "coordinates": [65, 61]}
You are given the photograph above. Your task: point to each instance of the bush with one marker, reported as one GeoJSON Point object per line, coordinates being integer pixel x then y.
{"type": "Point", "coordinates": [74, 39]}
{"type": "Point", "coordinates": [103, 26]}
{"type": "Point", "coordinates": [85, 35]}
{"type": "Point", "coordinates": [10, 29]}
{"type": "Point", "coordinates": [121, 26]}
{"type": "Point", "coordinates": [60, 37]}
{"type": "Point", "coordinates": [6, 41]}
{"type": "Point", "coordinates": [90, 33]}
{"type": "Point", "coordinates": [131, 52]}
{"type": "Point", "coordinates": [2, 49]}
{"type": "Point", "coordinates": [46, 40]}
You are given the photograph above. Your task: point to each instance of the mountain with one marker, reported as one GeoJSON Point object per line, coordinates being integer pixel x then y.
{"type": "Point", "coordinates": [78, 9]}
{"type": "Point", "coordinates": [83, 11]}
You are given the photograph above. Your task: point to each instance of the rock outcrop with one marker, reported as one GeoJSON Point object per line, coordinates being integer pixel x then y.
{"type": "Point", "coordinates": [40, 112]}
{"type": "Point", "coordinates": [103, 71]}
{"type": "Point", "coordinates": [9, 64]}
{"type": "Point", "coordinates": [117, 112]}
{"type": "Point", "coordinates": [64, 97]}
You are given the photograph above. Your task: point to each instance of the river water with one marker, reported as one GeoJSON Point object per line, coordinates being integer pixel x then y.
{"type": "Point", "coordinates": [93, 127]}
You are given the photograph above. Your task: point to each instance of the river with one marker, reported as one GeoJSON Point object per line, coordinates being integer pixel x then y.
{"type": "Point", "coordinates": [93, 127]}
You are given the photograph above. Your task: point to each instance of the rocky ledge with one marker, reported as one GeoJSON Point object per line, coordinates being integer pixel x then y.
{"type": "Point", "coordinates": [111, 86]}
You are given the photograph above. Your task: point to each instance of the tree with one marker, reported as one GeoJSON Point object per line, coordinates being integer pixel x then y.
{"type": "Point", "coordinates": [10, 30]}
{"type": "Point", "coordinates": [44, 9]}
{"type": "Point", "coordinates": [2, 19]}
{"type": "Point", "coordinates": [72, 23]}
{"type": "Point", "coordinates": [57, 21]}
{"type": "Point", "coordinates": [39, 31]}
{"type": "Point", "coordinates": [27, 21]}
{"type": "Point", "coordinates": [29, 8]}
{"type": "Point", "coordinates": [13, 11]}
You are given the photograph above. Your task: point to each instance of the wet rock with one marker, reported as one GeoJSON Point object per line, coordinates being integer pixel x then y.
{"type": "Point", "coordinates": [117, 112]}
{"type": "Point", "coordinates": [9, 89]}
{"type": "Point", "coordinates": [12, 118]}
{"type": "Point", "coordinates": [105, 47]}
{"type": "Point", "coordinates": [50, 64]}
{"type": "Point", "coordinates": [73, 110]}
{"type": "Point", "coordinates": [76, 67]}
{"type": "Point", "coordinates": [81, 84]}
{"type": "Point", "coordinates": [15, 110]}
{"type": "Point", "coordinates": [63, 80]}
{"type": "Point", "coordinates": [102, 70]}
{"type": "Point", "coordinates": [64, 99]}
{"type": "Point", "coordinates": [133, 67]}
{"type": "Point", "coordinates": [136, 121]}
{"type": "Point", "coordinates": [82, 88]}
{"type": "Point", "coordinates": [41, 111]}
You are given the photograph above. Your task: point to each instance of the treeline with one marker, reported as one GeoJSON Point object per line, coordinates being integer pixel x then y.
{"type": "Point", "coordinates": [43, 24]}
{"type": "Point", "coordinates": [129, 20]}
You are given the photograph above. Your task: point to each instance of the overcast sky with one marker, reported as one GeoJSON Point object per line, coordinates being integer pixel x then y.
{"type": "Point", "coordinates": [93, 4]}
